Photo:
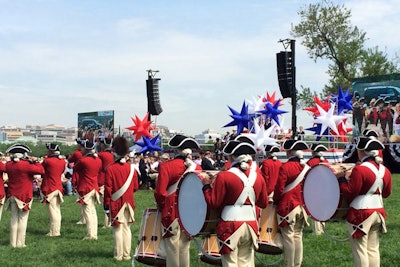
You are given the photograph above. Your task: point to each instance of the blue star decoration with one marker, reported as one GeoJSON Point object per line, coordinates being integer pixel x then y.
{"type": "Point", "coordinates": [343, 100]}
{"type": "Point", "coordinates": [317, 130]}
{"type": "Point", "coordinates": [149, 145]}
{"type": "Point", "coordinates": [242, 119]}
{"type": "Point", "coordinates": [272, 111]}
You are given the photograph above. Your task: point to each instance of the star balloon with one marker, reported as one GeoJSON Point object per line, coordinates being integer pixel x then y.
{"type": "Point", "coordinates": [317, 131]}
{"type": "Point", "coordinates": [141, 127]}
{"type": "Point", "coordinates": [241, 120]}
{"type": "Point", "coordinates": [328, 120]}
{"type": "Point", "coordinates": [261, 137]}
{"type": "Point", "coordinates": [272, 111]}
{"type": "Point", "coordinates": [325, 105]}
{"type": "Point", "coordinates": [271, 99]}
{"type": "Point", "coordinates": [149, 145]}
{"type": "Point", "coordinates": [343, 130]}
{"type": "Point", "coordinates": [255, 105]}
{"type": "Point", "coordinates": [343, 100]}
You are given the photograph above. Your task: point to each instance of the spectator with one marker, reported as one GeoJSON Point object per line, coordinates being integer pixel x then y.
{"type": "Point", "coordinates": [207, 163]}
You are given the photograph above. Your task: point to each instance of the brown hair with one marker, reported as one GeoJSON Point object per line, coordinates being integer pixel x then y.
{"type": "Point", "coordinates": [120, 146]}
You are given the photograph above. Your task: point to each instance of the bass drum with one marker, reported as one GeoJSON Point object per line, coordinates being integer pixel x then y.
{"type": "Point", "coordinates": [269, 240]}
{"type": "Point", "coordinates": [322, 198]}
{"type": "Point", "coordinates": [150, 248]}
{"type": "Point", "coordinates": [194, 215]}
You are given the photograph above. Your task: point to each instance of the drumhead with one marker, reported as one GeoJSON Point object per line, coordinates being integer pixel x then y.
{"type": "Point", "coordinates": [192, 206]}
{"type": "Point", "coordinates": [321, 193]}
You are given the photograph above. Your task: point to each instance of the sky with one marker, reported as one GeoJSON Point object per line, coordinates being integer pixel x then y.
{"type": "Point", "coordinates": [59, 58]}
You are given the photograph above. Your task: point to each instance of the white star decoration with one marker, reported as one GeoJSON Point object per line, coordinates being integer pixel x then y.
{"type": "Point", "coordinates": [255, 105]}
{"type": "Point", "coordinates": [327, 119]}
{"type": "Point", "coordinates": [261, 137]}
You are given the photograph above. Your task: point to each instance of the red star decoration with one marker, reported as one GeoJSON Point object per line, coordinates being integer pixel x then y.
{"type": "Point", "coordinates": [141, 127]}
{"type": "Point", "coordinates": [271, 99]}
{"type": "Point", "coordinates": [343, 130]}
{"type": "Point", "coordinates": [325, 105]}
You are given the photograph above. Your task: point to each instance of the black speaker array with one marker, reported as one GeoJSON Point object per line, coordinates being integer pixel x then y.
{"type": "Point", "coordinates": [285, 73]}
{"type": "Point", "coordinates": [153, 97]}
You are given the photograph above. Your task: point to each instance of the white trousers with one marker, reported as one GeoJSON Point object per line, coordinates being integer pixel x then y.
{"type": "Point", "coordinates": [90, 215]}
{"type": "Point", "coordinates": [19, 222]}
{"type": "Point", "coordinates": [54, 209]}
{"type": "Point", "coordinates": [122, 237]}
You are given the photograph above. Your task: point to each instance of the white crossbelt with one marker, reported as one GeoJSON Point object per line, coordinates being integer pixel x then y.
{"type": "Point", "coordinates": [191, 167]}
{"type": "Point", "coordinates": [117, 194]}
{"type": "Point", "coordinates": [297, 180]}
{"type": "Point", "coordinates": [239, 211]}
{"type": "Point", "coordinates": [371, 200]}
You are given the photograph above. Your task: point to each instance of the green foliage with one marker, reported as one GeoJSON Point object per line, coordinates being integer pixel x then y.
{"type": "Point", "coordinates": [70, 250]}
{"type": "Point", "coordinates": [327, 33]}
{"type": "Point", "coordinates": [40, 149]}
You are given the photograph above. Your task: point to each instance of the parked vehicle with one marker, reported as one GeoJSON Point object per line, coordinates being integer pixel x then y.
{"type": "Point", "coordinates": [91, 124]}
{"type": "Point", "coordinates": [388, 93]}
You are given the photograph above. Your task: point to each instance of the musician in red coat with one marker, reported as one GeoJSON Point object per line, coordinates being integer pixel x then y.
{"type": "Point", "coordinates": [317, 158]}
{"type": "Point", "coordinates": [51, 189]}
{"type": "Point", "coordinates": [87, 169]}
{"type": "Point", "coordinates": [2, 191]}
{"type": "Point", "coordinates": [291, 214]}
{"type": "Point", "coordinates": [270, 169]}
{"type": "Point", "coordinates": [121, 181]}
{"type": "Point", "coordinates": [237, 194]}
{"type": "Point", "coordinates": [74, 158]}
{"type": "Point", "coordinates": [369, 183]}
{"type": "Point", "coordinates": [177, 244]}
{"type": "Point", "coordinates": [107, 158]}
{"type": "Point", "coordinates": [21, 170]}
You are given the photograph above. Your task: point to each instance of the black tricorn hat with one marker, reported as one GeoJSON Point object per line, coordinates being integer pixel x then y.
{"type": "Point", "coordinates": [244, 138]}
{"type": "Point", "coordinates": [318, 147]}
{"type": "Point", "coordinates": [106, 140]}
{"type": "Point", "coordinates": [237, 148]}
{"type": "Point", "coordinates": [88, 144]}
{"type": "Point", "coordinates": [182, 142]}
{"type": "Point", "coordinates": [361, 99]}
{"type": "Point", "coordinates": [370, 133]}
{"type": "Point", "coordinates": [291, 144]}
{"type": "Point", "coordinates": [18, 148]}
{"type": "Point", "coordinates": [52, 146]}
{"type": "Point", "coordinates": [272, 148]}
{"type": "Point", "coordinates": [368, 144]}
{"type": "Point", "coordinates": [79, 141]}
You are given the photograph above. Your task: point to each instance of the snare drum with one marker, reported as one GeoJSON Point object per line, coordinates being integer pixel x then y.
{"type": "Point", "coordinates": [211, 252]}
{"type": "Point", "coordinates": [322, 198]}
{"type": "Point", "coordinates": [149, 248]}
{"type": "Point", "coordinates": [268, 242]}
{"type": "Point", "coordinates": [194, 215]}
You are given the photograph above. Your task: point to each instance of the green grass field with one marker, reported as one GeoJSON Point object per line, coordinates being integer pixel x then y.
{"type": "Point", "coordinates": [71, 250]}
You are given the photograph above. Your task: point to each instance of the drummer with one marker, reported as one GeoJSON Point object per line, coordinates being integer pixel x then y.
{"type": "Point", "coordinates": [291, 214]}
{"type": "Point", "coordinates": [237, 193]}
{"type": "Point", "coordinates": [177, 244]}
{"type": "Point", "coordinates": [369, 182]}
{"type": "Point", "coordinates": [317, 157]}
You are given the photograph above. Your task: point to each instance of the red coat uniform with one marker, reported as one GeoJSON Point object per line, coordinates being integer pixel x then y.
{"type": "Point", "coordinates": [20, 179]}
{"type": "Point", "coordinates": [53, 169]}
{"type": "Point", "coordinates": [87, 169]}
{"type": "Point", "coordinates": [169, 173]}
{"type": "Point", "coordinates": [286, 202]}
{"type": "Point", "coordinates": [373, 116]}
{"type": "Point", "coordinates": [314, 161]}
{"type": "Point", "coordinates": [361, 180]}
{"type": "Point", "coordinates": [107, 159]}
{"type": "Point", "coordinates": [115, 177]}
{"type": "Point", "coordinates": [2, 191]}
{"type": "Point", "coordinates": [270, 171]}
{"type": "Point", "coordinates": [225, 191]}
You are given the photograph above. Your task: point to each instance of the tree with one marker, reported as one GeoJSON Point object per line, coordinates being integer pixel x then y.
{"type": "Point", "coordinates": [327, 33]}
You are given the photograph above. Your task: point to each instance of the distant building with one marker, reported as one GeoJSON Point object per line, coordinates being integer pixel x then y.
{"type": "Point", "coordinates": [206, 136]}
